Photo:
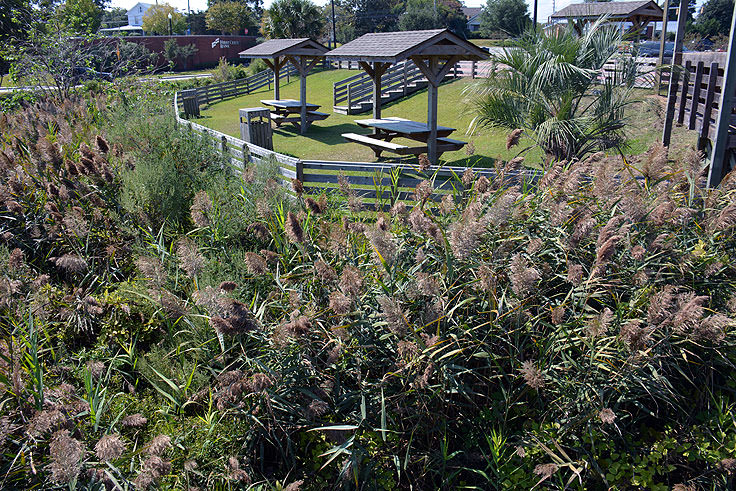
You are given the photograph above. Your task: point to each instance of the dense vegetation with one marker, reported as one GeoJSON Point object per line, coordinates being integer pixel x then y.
{"type": "Point", "coordinates": [168, 323]}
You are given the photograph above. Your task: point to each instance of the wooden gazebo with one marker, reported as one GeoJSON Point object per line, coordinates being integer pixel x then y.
{"type": "Point", "coordinates": [639, 13]}
{"type": "Point", "coordinates": [434, 52]}
{"type": "Point", "coordinates": [303, 53]}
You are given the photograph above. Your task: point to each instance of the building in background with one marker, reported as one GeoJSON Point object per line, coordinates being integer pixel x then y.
{"type": "Point", "coordinates": [472, 14]}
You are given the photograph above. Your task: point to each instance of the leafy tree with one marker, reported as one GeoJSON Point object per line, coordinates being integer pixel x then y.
{"type": "Point", "coordinates": [715, 18]}
{"type": "Point", "coordinates": [114, 17]}
{"type": "Point", "coordinates": [255, 6]}
{"type": "Point", "coordinates": [80, 16]}
{"type": "Point", "coordinates": [292, 19]}
{"type": "Point", "coordinates": [174, 53]}
{"type": "Point", "coordinates": [504, 16]}
{"type": "Point", "coordinates": [15, 16]}
{"type": "Point", "coordinates": [229, 17]}
{"type": "Point", "coordinates": [156, 20]}
{"type": "Point", "coordinates": [421, 14]}
{"type": "Point", "coordinates": [546, 89]}
{"type": "Point", "coordinates": [377, 15]}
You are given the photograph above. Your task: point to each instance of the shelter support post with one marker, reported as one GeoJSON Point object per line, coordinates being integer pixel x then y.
{"type": "Point", "coordinates": [676, 60]}
{"type": "Point", "coordinates": [719, 153]}
{"type": "Point", "coordinates": [375, 71]}
{"type": "Point", "coordinates": [303, 65]}
{"type": "Point", "coordinates": [662, 40]}
{"type": "Point", "coordinates": [435, 72]}
{"type": "Point", "coordinates": [276, 65]}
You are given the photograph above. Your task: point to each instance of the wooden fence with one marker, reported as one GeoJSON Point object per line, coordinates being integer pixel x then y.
{"type": "Point", "coordinates": [377, 184]}
{"type": "Point", "coordinates": [697, 100]}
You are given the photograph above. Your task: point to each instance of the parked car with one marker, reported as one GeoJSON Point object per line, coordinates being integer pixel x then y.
{"type": "Point", "coordinates": [651, 48]}
{"type": "Point", "coordinates": [82, 73]}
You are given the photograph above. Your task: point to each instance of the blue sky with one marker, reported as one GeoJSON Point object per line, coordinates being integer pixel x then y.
{"type": "Point", "coordinates": [545, 6]}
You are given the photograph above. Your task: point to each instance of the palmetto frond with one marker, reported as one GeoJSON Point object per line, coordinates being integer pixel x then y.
{"type": "Point", "coordinates": [549, 86]}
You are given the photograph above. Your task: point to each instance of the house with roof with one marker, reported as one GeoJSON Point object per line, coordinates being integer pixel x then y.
{"type": "Point", "coordinates": [633, 17]}
{"type": "Point", "coordinates": [472, 14]}
{"type": "Point", "coordinates": [136, 13]}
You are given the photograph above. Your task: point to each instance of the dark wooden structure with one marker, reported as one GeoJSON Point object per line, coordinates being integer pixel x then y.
{"type": "Point", "coordinates": [302, 53]}
{"type": "Point", "coordinates": [639, 13]}
{"type": "Point", "coordinates": [435, 52]}
{"type": "Point", "coordinates": [255, 127]}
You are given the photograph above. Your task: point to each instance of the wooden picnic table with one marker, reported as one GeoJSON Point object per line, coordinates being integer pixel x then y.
{"type": "Point", "coordinates": [386, 129]}
{"type": "Point", "coordinates": [289, 111]}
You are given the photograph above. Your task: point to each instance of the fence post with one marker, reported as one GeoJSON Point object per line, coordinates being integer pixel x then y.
{"type": "Point", "coordinates": [246, 155]}
{"type": "Point", "coordinates": [472, 69]}
{"type": "Point", "coordinates": [710, 94]}
{"type": "Point", "coordinates": [350, 100]}
{"type": "Point", "coordinates": [300, 171]}
{"type": "Point", "coordinates": [406, 83]}
{"type": "Point", "coordinates": [683, 97]}
{"type": "Point", "coordinates": [224, 145]}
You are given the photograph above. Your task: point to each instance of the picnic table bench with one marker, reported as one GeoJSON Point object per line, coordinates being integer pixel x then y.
{"type": "Point", "coordinates": [386, 129]}
{"type": "Point", "coordinates": [289, 111]}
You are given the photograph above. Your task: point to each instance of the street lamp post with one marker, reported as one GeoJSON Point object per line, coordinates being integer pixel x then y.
{"type": "Point", "coordinates": [170, 31]}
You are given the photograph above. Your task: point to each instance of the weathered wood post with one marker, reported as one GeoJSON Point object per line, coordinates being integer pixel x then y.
{"type": "Point", "coordinates": [719, 154]}
{"type": "Point", "coordinates": [676, 60]}
{"type": "Point", "coordinates": [710, 94]}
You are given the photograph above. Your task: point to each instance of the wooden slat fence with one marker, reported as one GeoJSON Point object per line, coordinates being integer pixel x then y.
{"type": "Point", "coordinates": [698, 96]}
{"type": "Point", "coordinates": [377, 184]}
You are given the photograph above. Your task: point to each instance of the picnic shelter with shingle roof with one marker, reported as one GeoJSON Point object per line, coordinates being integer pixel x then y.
{"type": "Point", "coordinates": [433, 51]}
{"type": "Point", "coordinates": [303, 53]}
{"type": "Point", "coordinates": [639, 13]}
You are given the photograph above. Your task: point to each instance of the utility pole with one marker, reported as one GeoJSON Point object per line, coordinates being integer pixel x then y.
{"type": "Point", "coordinates": [189, 20]}
{"type": "Point", "coordinates": [334, 31]}
{"type": "Point", "coordinates": [535, 15]}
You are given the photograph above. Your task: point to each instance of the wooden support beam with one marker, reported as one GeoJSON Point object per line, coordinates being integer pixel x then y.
{"type": "Point", "coordinates": [432, 111]}
{"type": "Point", "coordinates": [676, 60]}
{"type": "Point", "coordinates": [708, 108]}
{"type": "Point", "coordinates": [665, 19]}
{"type": "Point", "coordinates": [695, 100]}
{"type": "Point", "coordinates": [719, 155]}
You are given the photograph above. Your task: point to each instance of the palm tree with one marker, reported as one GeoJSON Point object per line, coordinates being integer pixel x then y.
{"type": "Point", "coordinates": [292, 19]}
{"type": "Point", "coordinates": [549, 86]}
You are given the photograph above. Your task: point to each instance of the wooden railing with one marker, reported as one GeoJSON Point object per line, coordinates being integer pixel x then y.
{"type": "Point", "coordinates": [698, 97]}
{"type": "Point", "coordinates": [378, 185]}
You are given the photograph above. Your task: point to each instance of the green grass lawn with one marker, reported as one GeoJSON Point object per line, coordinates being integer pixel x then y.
{"type": "Point", "coordinates": [323, 140]}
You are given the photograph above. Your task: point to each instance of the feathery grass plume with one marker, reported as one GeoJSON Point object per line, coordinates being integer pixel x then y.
{"type": "Point", "coordinates": [420, 257]}
{"type": "Point", "coordinates": [502, 208]}
{"type": "Point", "coordinates": [447, 204]}
{"type": "Point", "coordinates": [173, 306]}
{"type": "Point", "coordinates": [725, 220]}
{"type": "Point", "coordinates": [86, 151]}
{"type": "Point", "coordinates": [298, 325]}
{"type": "Point", "coordinates": [294, 230]}
{"type": "Point", "coordinates": [208, 298]}
{"type": "Point", "coordinates": [316, 409]}
{"type": "Point", "coordinates": [383, 224]}
{"type": "Point", "coordinates": [102, 144]}
{"type": "Point", "coordinates": [427, 285]}
{"type": "Point", "coordinates": [654, 166]}
{"type": "Point", "coordinates": [712, 328]}
{"type": "Point", "coordinates": [355, 203]}
{"type": "Point", "coordinates": [44, 421]}
{"type": "Point", "coordinates": [154, 467]}
{"type": "Point", "coordinates": [728, 465]}
{"type": "Point", "coordinates": [152, 269]}
{"type": "Point", "coordinates": [486, 279]}
{"type": "Point", "coordinates": [109, 447]}
{"type": "Point", "coordinates": [297, 186]}
{"type": "Point", "coordinates": [470, 148]}
{"type": "Point", "coordinates": [638, 253]}
{"type": "Point", "coordinates": [420, 223]}
{"type": "Point", "coordinates": [512, 139]}
{"type": "Point", "coordinates": [259, 230]}
{"type": "Point", "coordinates": [256, 264]}
{"type": "Point", "coordinates": [75, 223]}
{"type": "Point", "coordinates": [249, 174]}
{"type": "Point", "coordinates": [424, 163]}
{"type": "Point", "coordinates": [235, 473]}
{"type": "Point", "coordinates": [294, 486]}
{"type": "Point", "coordinates": [66, 457]}
{"type": "Point", "coordinates": [534, 245]}
{"type": "Point", "coordinates": [270, 256]}
{"type": "Point", "coordinates": [158, 445]}
{"type": "Point", "coordinates": [545, 471]}
{"type": "Point", "coordinates": [190, 260]}
{"type": "Point", "coordinates": [606, 250]}
{"type": "Point", "coordinates": [201, 206]}
{"type": "Point", "coordinates": [557, 314]}
{"type": "Point", "coordinates": [5, 161]}
{"type": "Point", "coordinates": [228, 286]}
{"type": "Point", "coordinates": [662, 305]}
{"type": "Point", "coordinates": [340, 303]}
{"type": "Point", "coordinates": [399, 211]}
{"type": "Point", "coordinates": [50, 152]}
{"type": "Point", "coordinates": [575, 273]}
{"type": "Point", "coordinates": [423, 191]}
{"type": "Point", "coordinates": [72, 264]}
{"type": "Point", "coordinates": [263, 209]}
{"type": "Point", "coordinates": [468, 178]}
{"type": "Point", "coordinates": [134, 421]}
{"type": "Point", "coordinates": [16, 260]}
{"type": "Point", "coordinates": [95, 368]}
{"type": "Point", "coordinates": [343, 184]}
{"type": "Point", "coordinates": [466, 233]}
{"type": "Point", "coordinates": [87, 166]}
{"type": "Point", "coordinates": [422, 381]}
{"type": "Point", "coordinates": [533, 376]}
{"type": "Point", "coordinates": [314, 206]}
{"type": "Point", "coordinates": [384, 247]}
{"type": "Point", "coordinates": [523, 276]}
{"type": "Point", "coordinates": [598, 325]}
{"type": "Point", "coordinates": [237, 317]}
{"type": "Point", "coordinates": [13, 207]}
{"type": "Point", "coordinates": [607, 416]}
{"type": "Point", "coordinates": [325, 272]}
{"type": "Point", "coordinates": [393, 314]}
{"type": "Point", "coordinates": [690, 311]}
{"type": "Point", "coordinates": [635, 336]}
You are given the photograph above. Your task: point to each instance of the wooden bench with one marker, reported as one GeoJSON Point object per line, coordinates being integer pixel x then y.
{"type": "Point", "coordinates": [379, 146]}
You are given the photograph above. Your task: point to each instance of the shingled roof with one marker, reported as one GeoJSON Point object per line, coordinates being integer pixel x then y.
{"type": "Point", "coordinates": [616, 10]}
{"type": "Point", "coordinates": [393, 47]}
{"type": "Point", "coordinates": [281, 47]}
